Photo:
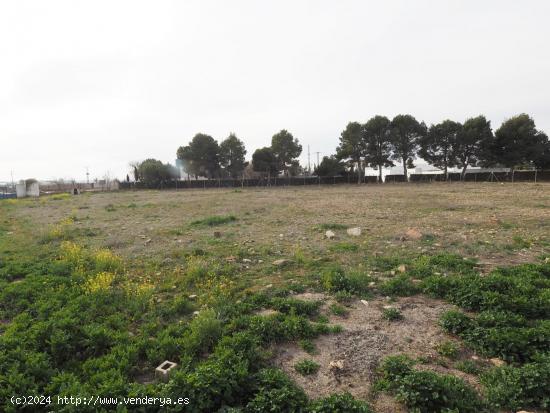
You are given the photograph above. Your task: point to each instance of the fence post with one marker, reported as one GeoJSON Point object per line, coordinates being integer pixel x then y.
{"type": "Point", "coordinates": [535, 175]}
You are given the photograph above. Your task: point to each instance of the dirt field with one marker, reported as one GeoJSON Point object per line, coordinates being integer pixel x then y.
{"type": "Point", "coordinates": [497, 224]}
{"type": "Point", "coordinates": [156, 232]}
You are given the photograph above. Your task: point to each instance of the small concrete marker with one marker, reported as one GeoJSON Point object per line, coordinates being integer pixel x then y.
{"type": "Point", "coordinates": [354, 232]}
{"type": "Point", "coordinates": [164, 369]}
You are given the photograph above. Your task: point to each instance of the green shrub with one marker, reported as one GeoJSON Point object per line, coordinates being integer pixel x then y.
{"type": "Point", "coordinates": [468, 366]}
{"type": "Point", "coordinates": [214, 220]}
{"type": "Point", "coordinates": [292, 305]}
{"type": "Point", "coordinates": [306, 367]}
{"type": "Point", "coordinates": [425, 391]}
{"type": "Point", "coordinates": [335, 280]}
{"type": "Point", "coordinates": [204, 332]}
{"type": "Point", "coordinates": [448, 349]}
{"type": "Point", "coordinates": [392, 314]}
{"type": "Point", "coordinates": [276, 393]}
{"type": "Point", "coordinates": [401, 286]}
{"type": "Point", "coordinates": [339, 403]}
{"type": "Point", "coordinates": [455, 322]}
{"type": "Point", "coordinates": [517, 388]}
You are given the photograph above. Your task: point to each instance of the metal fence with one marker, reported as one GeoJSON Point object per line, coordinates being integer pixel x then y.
{"type": "Point", "coordinates": [517, 176]}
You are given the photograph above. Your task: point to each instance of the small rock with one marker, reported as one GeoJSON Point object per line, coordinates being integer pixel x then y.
{"type": "Point", "coordinates": [246, 260]}
{"type": "Point", "coordinates": [329, 234]}
{"type": "Point", "coordinates": [402, 268]}
{"type": "Point", "coordinates": [336, 365]}
{"type": "Point", "coordinates": [365, 302]}
{"type": "Point", "coordinates": [147, 241]}
{"type": "Point", "coordinates": [392, 272]}
{"type": "Point", "coordinates": [281, 236]}
{"type": "Point", "coordinates": [269, 286]}
{"type": "Point", "coordinates": [280, 263]}
{"type": "Point", "coordinates": [260, 261]}
{"type": "Point", "coordinates": [524, 411]}
{"type": "Point", "coordinates": [192, 296]}
{"type": "Point", "coordinates": [355, 232]}
{"type": "Point", "coordinates": [196, 313]}
{"type": "Point", "coordinates": [372, 284]}
{"type": "Point", "coordinates": [497, 362]}
{"type": "Point", "coordinates": [475, 357]}
{"type": "Point", "coordinates": [231, 258]}
{"type": "Point", "coordinates": [413, 233]}
{"type": "Point", "coordinates": [387, 307]}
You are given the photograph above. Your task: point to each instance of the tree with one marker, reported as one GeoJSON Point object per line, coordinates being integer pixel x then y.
{"type": "Point", "coordinates": [201, 156]}
{"type": "Point", "coordinates": [377, 133]}
{"type": "Point", "coordinates": [468, 147]}
{"type": "Point", "coordinates": [542, 159]}
{"type": "Point", "coordinates": [265, 162]}
{"type": "Point", "coordinates": [153, 172]}
{"type": "Point", "coordinates": [330, 166]}
{"type": "Point", "coordinates": [436, 146]}
{"type": "Point", "coordinates": [406, 132]}
{"type": "Point", "coordinates": [135, 169]}
{"type": "Point", "coordinates": [352, 146]}
{"type": "Point", "coordinates": [232, 153]}
{"type": "Point", "coordinates": [286, 149]}
{"type": "Point", "coordinates": [516, 142]}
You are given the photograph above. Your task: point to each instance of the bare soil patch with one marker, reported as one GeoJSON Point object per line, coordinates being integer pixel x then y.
{"type": "Point", "coordinates": [366, 339]}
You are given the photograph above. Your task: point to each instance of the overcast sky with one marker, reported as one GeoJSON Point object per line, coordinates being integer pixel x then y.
{"type": "Point", "coordinates": [101, 83]}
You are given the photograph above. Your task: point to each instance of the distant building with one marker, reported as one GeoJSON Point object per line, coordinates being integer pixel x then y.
{"type": "Point", "coordinates": [28, 188]}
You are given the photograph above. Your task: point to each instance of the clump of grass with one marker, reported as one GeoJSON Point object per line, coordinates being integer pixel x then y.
{"type": "Point", "coordinates": [306, 367]}
{"type": "Point", "coordinates": [468, 366]}
{"type": "Point", "coordinates": [59, 197]}
{"type": "Point", "coordinates": [106, 260]}
{"type": "Point", "coordinates": [448, 349]}
{"type": "Point", "coordinates": [338, 310]}
{"type": "Point", "coordinates": [331, 226]}
{"type": "Point", "coordinates": [334, 279]}
{"type": "Point", "coordinates": [214, 220]}
{"type": "Point", "coordinates": [344, 247]}
{"type": "Point", "coordinates": [308, 346]}
{"type": "Point", "coordinates": [392, 314]}
{"type": "Point", "coordinates": [401, 286]}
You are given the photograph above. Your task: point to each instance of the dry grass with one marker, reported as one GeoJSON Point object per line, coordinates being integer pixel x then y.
{"type": "Point", "coordinates": [494, 223]}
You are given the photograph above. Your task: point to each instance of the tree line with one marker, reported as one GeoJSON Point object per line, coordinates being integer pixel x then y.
{"type": "Point", "coordinates": [379, 143]}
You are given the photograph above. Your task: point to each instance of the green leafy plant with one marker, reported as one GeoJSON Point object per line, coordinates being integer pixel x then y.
{"type": "Point", "coordinates": [392, 314]}
{"type": "Point", "coordinates": [306, 367]}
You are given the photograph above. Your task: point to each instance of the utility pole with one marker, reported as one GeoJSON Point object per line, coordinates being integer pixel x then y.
{"type": "Point", "coordinates": [308, 163]}
{"type": "Point", "coordinates": [12, 183]}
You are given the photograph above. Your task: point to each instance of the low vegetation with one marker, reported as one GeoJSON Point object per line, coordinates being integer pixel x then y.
{"type": "Point", "coordinates": [82, 316]}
